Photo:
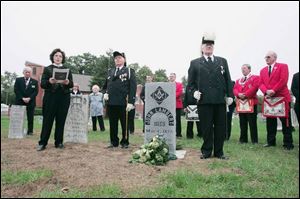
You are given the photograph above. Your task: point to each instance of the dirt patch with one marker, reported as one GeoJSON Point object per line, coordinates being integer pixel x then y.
{"type": "Point", "coordinates": [85, 165]}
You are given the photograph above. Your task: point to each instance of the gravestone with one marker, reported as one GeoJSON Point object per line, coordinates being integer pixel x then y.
{"type": "Point", "coordinates": [160, 118]}
{"type": "Point", "coordinates": [17, 122]}
{"type": "Point", "coordinates": [76, 127]}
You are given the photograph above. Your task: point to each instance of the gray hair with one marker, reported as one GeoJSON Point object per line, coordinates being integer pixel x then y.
{"type": "Point", "coordinates": [273, 53]}
{"type": "Point", "coordinates": [27, 69]}
{"type": "Point", "coordinates": [248, 66]}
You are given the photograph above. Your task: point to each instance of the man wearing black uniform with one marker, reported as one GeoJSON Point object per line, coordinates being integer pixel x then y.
{"type": "Point", "coordinates": [295, 91]}
{"type": "Point", "coordinates": [210, 81]}
{"type": "Point", "coordinates": [120, 87]}
{"type": "Point", "coordinates": [26, 89]}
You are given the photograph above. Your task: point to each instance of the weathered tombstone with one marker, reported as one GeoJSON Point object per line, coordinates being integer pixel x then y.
{"type": "Point", "coordinates": [76, 126]}
{"type": "Point", "coordinates": [17, 122]}
{"type": "Point", "coordinates": [160, 118]}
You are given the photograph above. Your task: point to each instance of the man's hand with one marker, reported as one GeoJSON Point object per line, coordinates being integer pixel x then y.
{"type": "Point", "coordinates": [197, 95]}
{"type": "Point", "coordinates": [229, 101]}
{"type": "Point", "coordinates": [105, 96]}
{"type": "Point", "coordinates": [241, 96]}
{"type": "Point", "coordinates": [26, 99]}
{"type": "Point", "coordinates": [129, 107]}
{"type": "Point", "coordinates": [270, 93]}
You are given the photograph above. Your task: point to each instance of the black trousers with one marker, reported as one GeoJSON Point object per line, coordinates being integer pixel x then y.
{"type": "Point", "coordinates": [100, 121]}
{"type": "Point", "coordinates": [30, 117]}
{"type": "Point", "coordinates": [189, 129]}
{"type": "Point", "coordinates": [178, 122]}
{"type": "Point", "coordinates": [228, 124]}
{"type": "Point", "coordinates": [130, 126]}
{"type": "Point", "coordinates": [116, 113]}
{"type": "Point", "coordinates": [55, 106]}
{"type": "Point", "coordinates": [286, 130]}
{"type": "Point", "coordinates": [250, 118]}
{"type": "Point", "coordinates": [296, 108]}
{"type": "Point", "coordinates": [213, 127]}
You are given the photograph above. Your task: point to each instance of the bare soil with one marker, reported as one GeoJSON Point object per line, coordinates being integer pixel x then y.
{"type": "Point", "coordinates": [85, 165]}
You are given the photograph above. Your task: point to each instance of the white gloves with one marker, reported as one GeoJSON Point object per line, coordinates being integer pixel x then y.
{"type": "Point", "coordinates": [229, 100]}
{"type": "Point", "coordinates": [197, 95]}
{"type": "Point", "coordinates": [105, 96]}
{"type": "Point", "coordinates": [129, 107]}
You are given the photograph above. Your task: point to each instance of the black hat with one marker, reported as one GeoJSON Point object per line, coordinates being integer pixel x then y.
{"type": "Point", "coordinates": [116, 53]}
{"type": "Point", "coordinates": [208, 38]}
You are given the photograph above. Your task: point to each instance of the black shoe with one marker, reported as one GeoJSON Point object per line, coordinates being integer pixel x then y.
{"type": "Point", "coordinates": [60, 146]}
{"type": "Point", "coordinates": [204, 156]}
{"type": "Point", "coordinates": [269, 145]}
{"type": "Point", "coordinates": [111, 146]}
{"type": "Point", "coordinates": [131, 132]}
{"type": "Point", "coordinates": [102, 130]}
{"type": "Point", "coordinates": [222, 157]}
{"type": "Point", "coordinates": [288, 148]}
{"type": "Point", "coordinates": [40, 148]}
{"type": "Point", "coordinates": [29, 133]}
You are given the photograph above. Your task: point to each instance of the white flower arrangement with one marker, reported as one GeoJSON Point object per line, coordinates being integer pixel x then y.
{"type": "Point", "coordinates": [156, 152]}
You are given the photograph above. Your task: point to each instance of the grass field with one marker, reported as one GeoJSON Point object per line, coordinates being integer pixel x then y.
{"type": "Point", "coordinates": [251, 171]}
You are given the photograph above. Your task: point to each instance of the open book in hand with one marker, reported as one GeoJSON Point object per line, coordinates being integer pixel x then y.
{"type": "Point", "coordinates": [60, 74]}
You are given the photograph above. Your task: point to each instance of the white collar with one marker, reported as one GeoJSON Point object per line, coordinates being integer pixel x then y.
{"type": "Point", "coordinates": [206, 57]}
{"type": "Point", "coordinates": [57, 65]}
{"type": "Point", "coordinates": [119, 67]}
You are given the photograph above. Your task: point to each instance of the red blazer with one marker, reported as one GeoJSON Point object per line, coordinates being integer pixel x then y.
{"type": "Point", "coordinates": [248, 88]}
{"type": "Point", "coordinates": [179, 89]}
{"type": "Point", "coordinates": [277, 81]}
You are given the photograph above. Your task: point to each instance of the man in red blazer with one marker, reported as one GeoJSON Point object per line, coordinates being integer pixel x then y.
{"type": "Point", "coordinates": [273, 83]}
{"type": "Point", "coordinates": [179, 104]}
{"type": "Point", "coordinates": [246, 88]}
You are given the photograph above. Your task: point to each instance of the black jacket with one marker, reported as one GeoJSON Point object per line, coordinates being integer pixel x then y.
{"type": "Point", "coordinates": [120, 86]}
{"type": "Point", "coordinates": [295, 86]}
{"type": "Point", "coordinates": [55, 88]}
{"type": "Point", "coordinates": [213, 81]}
{"type": "Point", "coordinates": [21, 90]}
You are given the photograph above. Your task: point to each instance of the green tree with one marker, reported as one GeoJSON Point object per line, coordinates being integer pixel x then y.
{"type": "Point", "coordinates": [142, 73]}
{"type": "Point", "coordinates": [82, 64]}
{"type": "Point", "coordinates": [7, 87]}
{"type": "Point", "coordinates": [103, 64]}
{"type": "Point", "coordinates": [160, 76]}
{"type": "Point", "coordinates": [184, 81]}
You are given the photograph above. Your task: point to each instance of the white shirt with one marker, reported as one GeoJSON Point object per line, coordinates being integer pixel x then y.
{"type": "Point", "coordinates": [272, 66]}
{"type": "Point", "coordinates": [57, 65]}
{"type": "Point", "coordinates": [120, 68]}
{"type": "Point", "coordinates": [206, 57]}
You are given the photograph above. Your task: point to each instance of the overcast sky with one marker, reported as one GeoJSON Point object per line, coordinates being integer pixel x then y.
{"type": "Point", "coordinates": [161, 35]}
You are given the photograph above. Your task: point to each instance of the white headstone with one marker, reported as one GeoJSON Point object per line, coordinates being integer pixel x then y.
{"type": "Point", "coordinates": [160, 110]}
{"type": "Point", "coordinates": [17, 122]}
{"type": "Point", "coordinates": [76, 127]}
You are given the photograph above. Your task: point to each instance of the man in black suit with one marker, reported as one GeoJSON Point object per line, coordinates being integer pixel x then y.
{"type": "Point", "coordinates": [295, 91]}
{"type": "Point", "coordinates": [26, 89]}
{"type": "Point", "coordinates": [210, 81]}
{"type": "Point", "coordinates": [120, 88]}
{"type": "Point", "coordinates": [229, 117]}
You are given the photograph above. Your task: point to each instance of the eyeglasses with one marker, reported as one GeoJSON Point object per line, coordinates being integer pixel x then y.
{"type": "Point", "coordinates": [267, 57]}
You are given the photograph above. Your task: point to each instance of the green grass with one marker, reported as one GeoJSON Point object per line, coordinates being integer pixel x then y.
{"type": "Point", "coordinates": [251, 171]}
{"type": "Point", "coordinates": [23, 177]}
{"type": "Point", "coordinates": [103, 191]}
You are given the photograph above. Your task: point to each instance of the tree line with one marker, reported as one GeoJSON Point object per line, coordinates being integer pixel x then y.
{"type": "Point", "coordinates": [87, 64]}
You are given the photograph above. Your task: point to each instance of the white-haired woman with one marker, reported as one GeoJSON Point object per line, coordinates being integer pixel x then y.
{"type": "Point", "coordinates": [96, 108]}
